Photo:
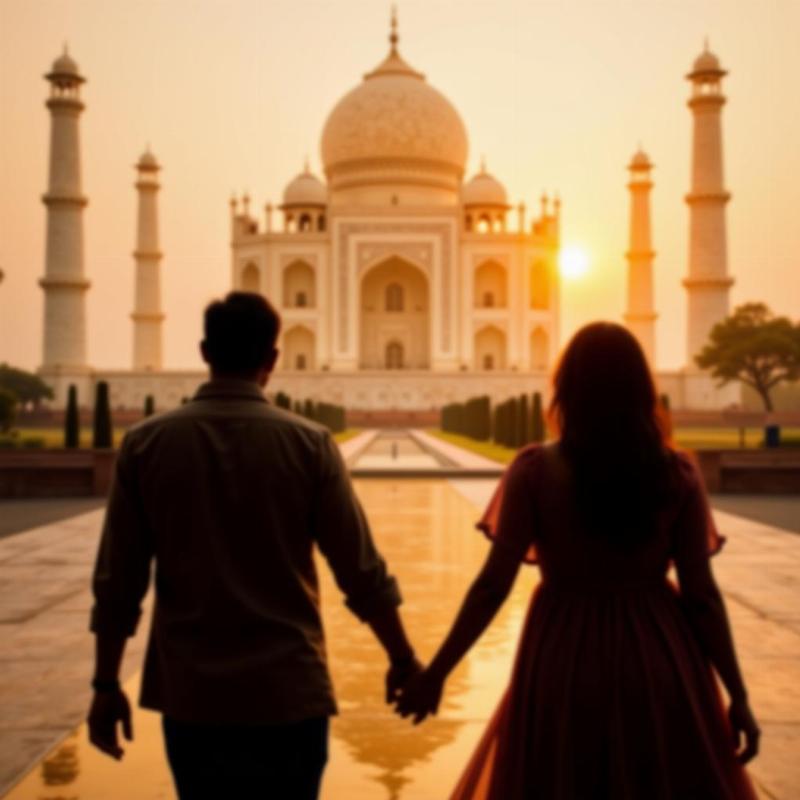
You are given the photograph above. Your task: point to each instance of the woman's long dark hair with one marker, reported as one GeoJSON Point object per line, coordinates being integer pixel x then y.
{"type": "Point", "coordinates": [612, 432]}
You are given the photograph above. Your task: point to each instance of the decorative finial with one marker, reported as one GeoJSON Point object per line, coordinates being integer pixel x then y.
{"type": "Point", "coordinates": [305, 165]}
{"type": "Point", "coordinates": [233, 201]}
{"type": "Point", "coordinates": [483, 165]}
{"type": "Point", "coordinates": [544, 202]}
{"type": "Point", "coordinates": [705, 45]}
{"type": "Point", "coordinates": [393, 36]}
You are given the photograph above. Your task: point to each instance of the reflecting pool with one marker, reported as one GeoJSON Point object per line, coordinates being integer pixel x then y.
{"type": "Point", "coordinates": [425, 529]}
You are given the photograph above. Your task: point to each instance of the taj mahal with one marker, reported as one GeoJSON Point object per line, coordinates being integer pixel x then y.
{"type": "Point", "coordinates": [402, 283]}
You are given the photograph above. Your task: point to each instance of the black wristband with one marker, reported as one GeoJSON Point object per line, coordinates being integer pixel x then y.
{"type": "Point", "coordinates": [105, 686]}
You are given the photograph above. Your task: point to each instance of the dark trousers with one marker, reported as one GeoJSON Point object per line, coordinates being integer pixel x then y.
{"type": "Point", "coordinates": [279, 762]}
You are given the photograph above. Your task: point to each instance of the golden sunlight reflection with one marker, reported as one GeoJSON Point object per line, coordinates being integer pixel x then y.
{"type": "Point", "coordinates": [426, 531]}
{"type": "Point", "coordinates": [573, 261]}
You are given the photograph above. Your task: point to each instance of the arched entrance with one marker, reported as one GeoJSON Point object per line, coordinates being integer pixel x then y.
{"type": "Point", "coordinates": [395, 317]}
{"type": "Point", "coordinates": [298, 349]}
{"type": "Point", "coordinates": [490, 349]}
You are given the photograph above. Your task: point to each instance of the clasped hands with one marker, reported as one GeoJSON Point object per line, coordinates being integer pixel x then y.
{"type": "Point", "coordinates": [414, 691]}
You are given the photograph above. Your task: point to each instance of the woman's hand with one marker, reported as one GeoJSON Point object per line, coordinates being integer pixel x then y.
{"type": "Point", "coordinates": [744, 726]}
{"type": "Point", "coordinates": [421, 696]}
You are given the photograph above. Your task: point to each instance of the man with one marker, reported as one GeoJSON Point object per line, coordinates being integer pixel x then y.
{"type": "Point", "coordinates": [228, 495]}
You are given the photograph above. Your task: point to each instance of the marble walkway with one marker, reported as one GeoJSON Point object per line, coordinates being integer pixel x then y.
{"type": "Point", "coordinates": [46, 650]}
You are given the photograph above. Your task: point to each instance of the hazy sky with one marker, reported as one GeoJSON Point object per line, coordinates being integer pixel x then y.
{"type": "Point", "coordinates": [232, 94]}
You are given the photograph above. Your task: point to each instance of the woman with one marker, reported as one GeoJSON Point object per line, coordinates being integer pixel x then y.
{"type": "Point", "coordinates": [612, 693]}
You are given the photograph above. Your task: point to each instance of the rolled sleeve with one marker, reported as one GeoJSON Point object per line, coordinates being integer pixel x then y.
{"type": "Point", "coordinates": [122, 570]}
{"type": "Point", "coordinates": [344, 538]}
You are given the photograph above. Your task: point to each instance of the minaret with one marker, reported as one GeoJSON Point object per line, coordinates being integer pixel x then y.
{"type": "Point", "coordinates": [707, 282]}
{"type": "Point", "coordinates": [147, 316]}
{"type": "Point", "coordinates": [64, 283]}
{"type": "Point", "coordinates": [640, 316]}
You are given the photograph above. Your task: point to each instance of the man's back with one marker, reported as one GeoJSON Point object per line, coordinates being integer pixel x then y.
{"type": "Point", "coordinates": [230, 494]}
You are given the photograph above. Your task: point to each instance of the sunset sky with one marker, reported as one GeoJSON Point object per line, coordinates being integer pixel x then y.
{"type": "Point", "coordinates": [233, 94]}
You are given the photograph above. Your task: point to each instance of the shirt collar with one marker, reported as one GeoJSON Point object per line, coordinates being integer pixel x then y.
{"type": "Point", "coordinates": [230, 387]}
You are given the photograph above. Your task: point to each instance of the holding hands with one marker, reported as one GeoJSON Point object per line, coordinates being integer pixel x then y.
{"type": "Point", "coordinates": [421, 695]}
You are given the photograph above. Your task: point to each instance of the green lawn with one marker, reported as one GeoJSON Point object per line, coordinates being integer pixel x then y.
{"type": "Point", "coordinates": [347, 433]}
{"type": "Point", "coordinates": [53, 438]}
{"type": "Point", "coordinates": [486, 449]}
{"type": "Point", "coordinates": [688, 438]}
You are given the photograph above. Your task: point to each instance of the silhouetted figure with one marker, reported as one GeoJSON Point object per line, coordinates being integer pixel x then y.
{"type": "Point", "coordinates": [613, 692]}
{"type": "Point", "coordinates": [229, 495]}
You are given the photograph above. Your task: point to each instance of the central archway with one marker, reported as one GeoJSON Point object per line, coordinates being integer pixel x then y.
{"type": "Point", "coordinates": [395, 317]}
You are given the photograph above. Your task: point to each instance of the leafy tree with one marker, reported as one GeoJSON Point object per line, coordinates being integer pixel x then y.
{"type": "Point", "coordinates": [27, 387]}
{"type": "Point", "coordinates": [8, 409]}
{"type": "Point", "coordinates": [102, 433]}
{"type": "Point", "coordinates": [755, 347]}
{"type": "Point", "coordinates": [72, 420]}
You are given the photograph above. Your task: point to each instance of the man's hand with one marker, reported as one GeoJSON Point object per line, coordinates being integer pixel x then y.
{"type": "Point", "coordinates": [421, 696]}
{"type": "Point", "coordinates": [398, 674]}
{"type": "Point", "coordinates": [109, 709]}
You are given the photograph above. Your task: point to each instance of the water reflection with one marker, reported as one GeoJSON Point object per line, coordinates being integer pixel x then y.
{"type": "Point", "coordinates": [61, 768]}
{"type": "Point", "coordinates": [425, 530]}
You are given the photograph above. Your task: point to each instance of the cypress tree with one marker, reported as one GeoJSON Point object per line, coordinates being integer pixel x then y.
{"type": "Point", "coordinates": [72, 420]}
{"type": "Point", "coordinates": [537, 419]}
{"type": "Point", "coordinates": [102, 432]}
{"type": "Point", "coordinates": [524, 421]}
{"type": "Point", "coordinates": [282, 400]}
{"type": "Point", "coordinates": [298, 407]}
{"type": "Point", "coordinates": [513, 422]}
{"type": "Point", "coordinates": [149, 406]}
{"type": "Point", "coordinates": [309, 412]}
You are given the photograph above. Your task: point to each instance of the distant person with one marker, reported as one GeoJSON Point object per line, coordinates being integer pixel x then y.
{"type": "Point", "coordinates": [229, 495]}
{"type": "Point", "coordinates": [612, 694]}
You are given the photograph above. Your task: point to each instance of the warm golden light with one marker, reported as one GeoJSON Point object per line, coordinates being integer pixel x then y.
{"type": "Point", "coordinates": [573, 261]}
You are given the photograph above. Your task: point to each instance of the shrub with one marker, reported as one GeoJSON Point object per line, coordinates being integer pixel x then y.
{"type": "Point", "coordinates": [8, 409]}
{"type": "Point", "coordinates": [102, 432]}
{"type": "Point", "coordinates": [72, 421]}
{"type": "Point", "coordinates": [32, 442]}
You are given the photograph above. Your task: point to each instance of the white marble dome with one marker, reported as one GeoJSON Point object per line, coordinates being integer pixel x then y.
{"type": "Point", "coordinates": [484, 189]}
{"type": "Point", "coordinates": [706, 62]}
{"type": "Point", "coordinates": [394, 115]}
{"type": "Point", "coordinates": [65, 67]}
{"type": "Point", "coordinates": [147, 161]}
{"type": "Point", "coordinates": [640, 160]}
{"type": "Point", "coordinates": [306, 189]}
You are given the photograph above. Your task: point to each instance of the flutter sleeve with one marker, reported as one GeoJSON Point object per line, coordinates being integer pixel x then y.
{"type": "Point", "coordinates": [696, 536]}
{"type": "Point", "coordinates": [509, 519]}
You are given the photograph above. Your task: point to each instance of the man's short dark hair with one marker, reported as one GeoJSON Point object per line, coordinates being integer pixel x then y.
{"type": "Point", "coordinates": [240, 332]}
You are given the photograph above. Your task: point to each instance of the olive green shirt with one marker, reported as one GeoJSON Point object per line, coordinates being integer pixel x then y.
{"type": "Point", "coordinates": [228, 495]}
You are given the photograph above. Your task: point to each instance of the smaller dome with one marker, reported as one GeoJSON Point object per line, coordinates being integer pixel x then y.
{"type": "Point", "coordinates": [148, 161]}
{"type": "Point", "coordinates": [65, 66]}
{"type": "Point", "coordinates": [640, 160]}
{"type": "Point", "coordinates": [305, 190]}
{"type": "Point", "coordinates": [706, 64]}
{"type": "Point", "coordinates": [484, 190]}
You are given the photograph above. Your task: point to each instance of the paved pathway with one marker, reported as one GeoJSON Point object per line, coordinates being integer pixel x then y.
{"type": "Point", "coordinates": [22, 515]}
{"type": "Point", "coordinates": [46, 650]}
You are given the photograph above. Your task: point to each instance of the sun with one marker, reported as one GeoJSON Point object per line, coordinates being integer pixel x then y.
{"type": "Point", "coordinates": [573, 261]}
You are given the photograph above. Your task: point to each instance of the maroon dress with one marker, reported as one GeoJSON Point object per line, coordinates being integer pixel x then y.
{"type": "Point", "coordinates": [611, 696]}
